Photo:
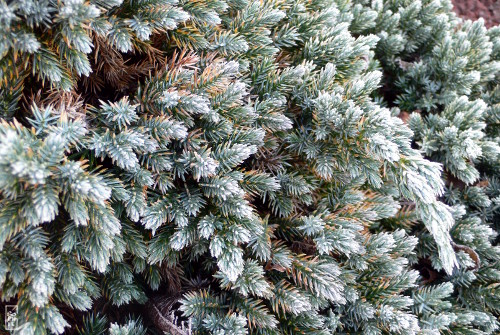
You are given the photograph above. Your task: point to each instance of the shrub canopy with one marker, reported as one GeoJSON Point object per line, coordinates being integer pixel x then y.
{"type": "Point", "coordinates": [249, 167]}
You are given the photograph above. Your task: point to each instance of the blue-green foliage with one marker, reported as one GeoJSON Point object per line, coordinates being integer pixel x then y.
{"type": "Point", "coordinates": [232, 167]}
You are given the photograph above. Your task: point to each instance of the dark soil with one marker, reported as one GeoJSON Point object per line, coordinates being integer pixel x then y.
{"type": "Point", "coordinates": [474, 9]}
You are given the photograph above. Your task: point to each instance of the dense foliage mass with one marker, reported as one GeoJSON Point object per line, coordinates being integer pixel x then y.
{"type": "Point", "coordinates": [240, 167]}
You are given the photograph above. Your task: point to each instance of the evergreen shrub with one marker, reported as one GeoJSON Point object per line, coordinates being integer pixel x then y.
{"type": "Point", "coordinates": [237, 167]}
